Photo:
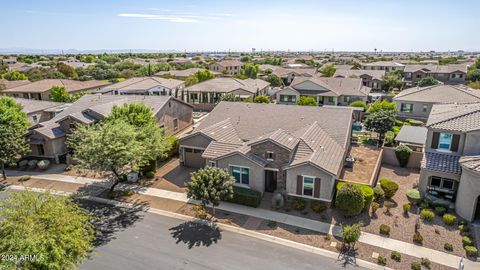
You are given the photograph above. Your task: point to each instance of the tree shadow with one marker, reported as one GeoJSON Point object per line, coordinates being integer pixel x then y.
{"type": "Point", "coordinates": [347, 256]}
{"type": "Point", "coordinates": [196, 233]}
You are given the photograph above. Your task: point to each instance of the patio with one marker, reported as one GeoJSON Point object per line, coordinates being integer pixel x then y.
{"type": "Point", "coordinates": [363, 168]}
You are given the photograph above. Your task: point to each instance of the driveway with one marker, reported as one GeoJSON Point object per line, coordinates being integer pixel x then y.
{"type": "Point", "coordinates": [172, 176]}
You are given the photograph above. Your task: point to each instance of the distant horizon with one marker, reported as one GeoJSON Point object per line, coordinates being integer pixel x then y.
{"type": "Point", "coordinates": [214, 25]}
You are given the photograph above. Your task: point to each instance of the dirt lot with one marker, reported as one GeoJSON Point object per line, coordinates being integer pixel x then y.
{"type": "Point", "coordinates": [365, 160]}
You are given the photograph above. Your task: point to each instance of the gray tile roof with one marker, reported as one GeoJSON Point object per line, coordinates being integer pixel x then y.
{"type": "Point", "coordinates": [143, 84]}
{"type": "Point", "coordinates": [216, 149]}
{"type": "Point", "coordinates": [334, 86]}
{"type": "Point", "coordinates": [32, 105]}
{"type": "Point", "coordinates": [227, 85]}
{"type": "Point", "coordinates": [440, 93]}
{"type": "Point", "coordinates": [471, 162]}
{"type": "Point", "coordinates": [429, 68]}
{"type": "Point", "coordinates": [356, 73]}
{"type": "Point", "coordinates": [439, 162]}
{"type": "Point", "coordinates": [279, 136]}
{"type": "Point", "coordinates": [455, 117]}
{"type": "Point", "coordinates": [412, 134]}
{"type": "Point", "coordinates": [47, 84]}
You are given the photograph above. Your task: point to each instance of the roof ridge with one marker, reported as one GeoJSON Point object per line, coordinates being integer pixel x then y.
{"type": "Point", "coordinates": [469, 112]}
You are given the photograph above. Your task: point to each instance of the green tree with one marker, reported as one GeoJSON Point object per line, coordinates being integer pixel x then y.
{"type": "Point", "coordinates": [249, 70]}
{"type": "Point", "coordinates": [274, 80]}
{"type": "Point", "coordinates": [13, 125]}
{"type": "Point", "coordinates": [356, 65]}
{"type": "Point", "coordinates": [351, 234]}
{"type": "Point", "coordinates": [54, 228]}
{"type": "Point", "coordinates": [350, 200]}
{"type": "Point", "coordinates": [67, 70]}
{"type": "Point", "coordinates": [203, 75]}
{"type": "Point", "coordinates": [210, 185]}
{"type": "Point", "coordinates": [473, 75]}
{"type": "Point", "coordinates": [382, 105]}
{"type": "Point", "coordinates": [307, 101]}
{"type": "Point", "coordinates": [391, 80]}
{"type": "Point", "coordinates": [59, 94]}
{"type": "Point", "coordinates": [427, 81]}
{"type": "Point", "coordinates": [328, 71]}
{"type": "Point", "coordinates": [14, 76]}
{"type": "Point", "coordinates": [230, 98]}
{"type": "Point", "coordinates": [191, 80]}
{"type": "Point", "coordinates": [261, 99]}
{"type": "Point", "coordinates": [380, 122]}
{"type": "Point", "coordinates": [359, 104]}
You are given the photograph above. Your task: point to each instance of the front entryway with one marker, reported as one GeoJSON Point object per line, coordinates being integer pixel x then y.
{"type": "Point", "coordinates": [476, 217]}
{"type": "Point", "coordinates": [270, 181]}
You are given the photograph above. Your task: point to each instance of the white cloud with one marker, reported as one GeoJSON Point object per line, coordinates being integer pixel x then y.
{"type": "Point", "coordinates": [176, 19]}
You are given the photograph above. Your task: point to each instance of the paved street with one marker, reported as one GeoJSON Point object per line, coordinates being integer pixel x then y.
{"type": "Point", "coordinates": [133, 239]}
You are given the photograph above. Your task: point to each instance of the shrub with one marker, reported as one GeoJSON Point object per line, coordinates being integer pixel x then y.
{"type": "Point", "coordinates": [389, 187]}
{"type": "Point", "coordinates": [375, 207]}
{"type": "Point", "coordinates": [200, 211]}
{"type": "Point", "coordinates": [396, 256]}
{"type": "Point", "coordinates": [245, 196]}
{"type": "Point", "coordinates": [426, 262]}
{"type": "Point", "coordinates": [388, 205]}
{"type": "Point", "coordinates": [389, 138]}
{"type": "Point", "coordinates": [359, 104]}
{"type": "Point", "coordinates": [278, 201]}
{"type": "Point", "coordinates": [367, 193]}
{"type": "Point", "coordinates": [471, 251]}
{"type": "Point", "coordinates": [318, 207]}
{"type": "Point", "coordinates": [24, 178]}
{"type": "Point", "coordinates": [416, 266]}
{"type": "Point", "coordinates": [440, 211]}
{"type": "Point", "coordinates": [406, 208]}
{"type": "Point", "coordinates": [463, 228]}
{"type": "Point", "coordinates": [32, 164]}
{"type": "Point", "coordinates": [382, 260]}
{"type": "Point", "coordinates": [424, 205]}
{"type": "Point", "coordinates": [418, 238]}
{"type": "Point", "coordinates": [402, 152]}
{"type": "Point", "coordinates": [378, 193]}
{"type": "Point", "coordinates": [384, 229]}
{"type": "Point", "coordinates": [413, 196]}
{"type": "Point", "coordinates": [150, 174]}
{"type": "Point", "coordinates": [350, 199]}
{"type": "Point", "coordinates": [43, 164]}
{"type": "Point", "coordinates": [448, 247]}
{"type": "Point", "coordinates": [351, 234]}
{"type": "Point", "coordinates": [23, 164]}
{"type": "Point", "coordinates": [427, 215]}
{"type": "Point", "coordinates": [298, 204]}
{"type": "Point", "coordinates": [151, 166]}
{"type": "Point", "coordinates": [272, 224]}
{"type": "Point", "coordinates": [466, 241]}
{"type": "Point", "coordinates": [449, 219]}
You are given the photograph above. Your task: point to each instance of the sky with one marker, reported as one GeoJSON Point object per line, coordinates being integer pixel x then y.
{"type": "Point", "coordinates": [208, 25]}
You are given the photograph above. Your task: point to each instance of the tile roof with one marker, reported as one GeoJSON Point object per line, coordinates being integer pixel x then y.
{"type": "Point", "coordinates": [384, 64]}
{"type": "Point", "coordinates": [440, 93]}
{"type": "Point", "coordinates": [143, 84]}
{"type": "Point", "coordinates": [412, 134]}
{"type": "Point", "coordinates": [280, 137]}
{"type": "Point", "coordinates": [471, 162]}
{"type": "Point", "coordinates": [5, 84]}
{"type": "Point", "coordinates": [226, 85]}
{"type": "Point", "coordinates": [228, 63]}
{"type": "Point", "coordinates": [45, 85]}
{"type": "Point", "coordinates": [333, 86]}
{"type": "Point", "coordinates": [283, 72]}
{"type": "Point", "coordinates": [32, 105]}
{"type": "Point", "coordinates": [182, 73]}
{"type": "Point", "coordinates": [356, 73]}
{"type": "Point", "coordinates": [430, 68]}
{"type": "Point", "coordinates": [455, 117]}
{"type": "Point", "coordinates": [439, 162]}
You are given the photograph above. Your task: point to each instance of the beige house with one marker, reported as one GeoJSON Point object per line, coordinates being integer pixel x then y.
{"type": "Point", "coordinates": [5, 84]}
{"type": "Point", "coordinates": [417, 102]}
{"type": "Point", "coordinates": [451, 164]}
{"type": "Point", "coordinates": [230, 67]}
{"type": "Point", "coordinates": [40, 90]}
{"type": "Point", "coordinates": [387, 66]}
{"type": "Point", "coordinates": [289, 74]}
{"type": "Point", "coordinates": [40, 111]}
{"type": "Point", "coordinates": [183, 74]}
{"type": "Point", "coordinates": [146, 86]}
{"type": "Point", "coordinates": [268, 147]}
{"type": "Point", "coordinates": [370, 78]}
{"type": "Point", "coordinates": [451, 74]}
{"type": "Point", "coordinates": [47, 141]}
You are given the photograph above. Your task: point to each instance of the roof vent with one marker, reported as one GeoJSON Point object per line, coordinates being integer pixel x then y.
{"type": "Point", "coordinates": [290, 138]}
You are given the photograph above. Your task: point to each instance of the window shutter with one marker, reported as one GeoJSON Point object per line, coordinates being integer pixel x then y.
{"type": "Point", "coordinates": [316, 188]}
{"type": "Point", "coordinates": [299, 184]}
{"type": "Point", "coordinates": [455, 142]}
{"type": "Point", "coordinates": [273, 156]}
{"type": "Point", "coordinates": [435, 139]}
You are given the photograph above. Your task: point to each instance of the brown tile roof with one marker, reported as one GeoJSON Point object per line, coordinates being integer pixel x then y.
{"type": "Point", "coordinates": [356, 73]}
{"type": "Point", "coordinates": [440, 93]}
{"type": "Point", "coordinates": [143, 84]}
{"type": "Point", "coordinates": [226, 85]}
{"type": "Point", "coordinates": [5, 84]}
{"type": "Point", "coordinates": [229, 63]}
{"type": "Point", "coordinates": [334, 86]}
{"type": "Point", "coordinates": [429, 68]}
{"type": "Point", "coordinates": [47, 84]}
{"type": "Point", "coordinates": [455, 117]}
{"type": "Point", "coordinates": [283, 72]}
{"type": "Point", "coordinates": [32, 105]}
{"type": "Point", "coordinates": [471, 162]}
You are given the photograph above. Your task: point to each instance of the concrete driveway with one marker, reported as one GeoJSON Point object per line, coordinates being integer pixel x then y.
{"type": "Point", "coordinates": [172, 176]}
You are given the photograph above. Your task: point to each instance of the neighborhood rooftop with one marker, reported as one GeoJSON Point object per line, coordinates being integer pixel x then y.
{"type": "Point", "coordinates": [143, 83]}
{"type": "Point", "coordinates": [440, 93]}
{"type": "Point", "coordinates": [47, 84]}
{"type": "Point", "coordinates": [455, 117]}
{"type": "Point", "coordinates": [226, 85]}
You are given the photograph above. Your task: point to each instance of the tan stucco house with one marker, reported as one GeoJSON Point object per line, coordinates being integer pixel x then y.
{"type": "Point", "coordinates": [450, 74]}
{"type": "Point", "coordinates": [370, 78]}
{"type": "Point", "coordinates": [230, 67]}
{"type": "Point", "coordinates": [146, 86]}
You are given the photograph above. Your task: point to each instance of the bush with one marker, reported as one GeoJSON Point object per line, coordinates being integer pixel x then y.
{"type": "Point", "coordinates": [359, 104]}
{"type": "Point", "coordinates": [43, 164]}
{"type": "Point", "coordinates": [448, 247]}
{"type": "Point", "coordinates": [382, 260]}
{"type": "Point", "coordinates": [24, 178]}
{"type": "Point", "coordinates": [389, 138]}
{"type": "Point", "coordinates": [413, 196]}
{"type": "Point", "coordinates": [418, 238]}
{"type": "Point", "coordinates": [406, 208]}
{"type": "Point", "coordinates": [424, 205]}
{"type": "Point", "coordinates": [150, 174]}
{"type": "Point", "coordinates": [367, 193]}
{"type": "Point", "coordinates": [151, 166]}
{"type": "Point", "coordinates": [318, 207]}
{"type": "Point", "coordinates": [440, 211]}
{"type": "Point", "coordinates": [32, 164]}
{"type": "Point", "coordinates": [378, 193]}
{"type": "Point", "coordinates": [351, 233]}
{"type": "Point", "coordinates": [463, 228]}
{"type": "Point", "coordinates": [389, 187]}
{"type": "Point", "coordinates": [23, 164]}
{"type": "Point", "coordinates": [466, 241]}
{"type": "Point", "coordinates": [396, 256]}
{"type": "Point", "coordinates": [427, 215]}
{"type": "Point", "coordinates": [200, 211]}
{"type": "Point", "coordinates": [402, 152]}
{"type": "Point", "coordinates": [471, 251]}
{"type": "Point", "coordinates": [416, 266]}
{"type": "Point", "coordinates": [278, 201]}
{"type": "Point", "coordinates": [350, 199]}
{"type": "Point", "coordinates": [245, 196]}
{"type": "Point", "coordinates": [298, 204]}
{"type": "Point", "coordinates": [375, 207]}
{"type": "Point", "coordinates": [384, 229]}
{"type": "Point", "coordinates": [426, 262]}
{"type": "Point", "coordinates": [388, 205]}
{"type": "Point", "coordinates": [449, 219]}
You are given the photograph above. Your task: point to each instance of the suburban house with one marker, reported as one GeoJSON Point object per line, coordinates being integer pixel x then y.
{"type": "Point", "coordinates": [370, 78]}
{"type": "Point", "coordinates": [327, 91]}
{"type": "Point", "coordinates": [269, 147]}
{"type": "Point", "coordinates": [183, 74]}
{"type": "Point", "coordinates": [5, 84]}
{"type": "Point", "coordinates": [40, 90]}
{"type": "Point", "coordinates": [452, 74]}
{"type": "Point", "coordinates": [146, 86]}
{"type": "Point", "coordinates": [289, 74]}
{"type": "Point", "coordinates": [9, 61]}
{"type": "Point", "coordinates": [450, 168]}
{"type": "Point", "coordinates": [417, 102]}
{"type": "Point", "coordinates": [47, 141]}
{"type": "Point", "coordinates": [388, 66]}
{"type": "Point", "coordinates": [205, 95]}
{"type": "Point", "coordinates": [39, 110]}
{"type": "Point", "coordinates": [75, 63]}
{"type": "Point", "coordinates": [230, 67]}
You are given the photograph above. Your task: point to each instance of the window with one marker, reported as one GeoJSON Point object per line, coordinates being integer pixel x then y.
{"type": "Point", "coordinates": [330, 99]}
{"type": "Point", "coordinates": [212, 163]}
{"type": "Point", "coordinates": [406, 107]}
{"type": "Point", "coordinates": [419, 76]}
{"type": "Point", "coordinates": [442, 183]}
{"type": "Point", "coordinates": [175, 124]}
{"type": "Point", "coordinates": [435, 181]}
{"type": "Point", "coordinates": [269, 155]}
{"type": "Point", "coordinates": [241, 174]}
{"type": "Point", "coordinates": [34, 118]}
{"type": "Point", "coordinates": [308, 183]}
{"type": "Point", "coordinates": [40, 150]}
{"type": "Point", "coordinates": [445, 141]}
{"type": "Point", "coordinates": [288, 98]}
{"type": "Point", "coordinates": [425, 108]}
{"type": "Point", "coordinates": [72, 125]}
{"type": "Point", "coordinates": [408, 75]}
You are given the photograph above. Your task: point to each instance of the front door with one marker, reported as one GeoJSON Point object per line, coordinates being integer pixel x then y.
{"type": "Point", "coordinates": [270, 181]}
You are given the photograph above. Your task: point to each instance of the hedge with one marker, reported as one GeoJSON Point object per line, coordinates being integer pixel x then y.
{"type": "Point", "coordinates": [245, 196]}
{"type": "Point", "coordinates": [367, 192]}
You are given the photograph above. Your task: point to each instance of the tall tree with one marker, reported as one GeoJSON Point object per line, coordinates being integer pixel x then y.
{"type": "Point", "coordinates": [67, 70]}
{"type": "Point", "coordinates": [13, 125]}
{"type": "Point", "coordinates": [274, 80]}
{"type": "Point", "coordinates": [391, 80]}
{"type": "Point", "coordinates": [249, 70]}
{"type": "Point", "coordinates": [59, 94]}
{"type": "Point", "coordinates": [380, 121]}
{"type": "Point", "coordinates": [427, 81]}
{"type": "Point", "coordinates": [52, 228]}
{"type": "Point", "coordinates": [203, 75]}
{"type": "Point", "coordinates": [14, 76]}
{"type": "Point", "coordinates": [328, 71]}
{"type": "Point", "coordinates": [307, 101]}
{"type": "Point", "coordinates": [383, 105]}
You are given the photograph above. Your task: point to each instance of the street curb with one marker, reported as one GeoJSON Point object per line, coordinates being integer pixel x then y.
{"type": "Point", "coordinates": [226, 227]}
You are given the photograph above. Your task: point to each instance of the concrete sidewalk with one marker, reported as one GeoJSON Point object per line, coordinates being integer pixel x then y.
{"type": "Point", "coordinates": [367, 238]}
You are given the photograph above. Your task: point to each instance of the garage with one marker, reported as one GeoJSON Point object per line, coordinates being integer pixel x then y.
{"type": "Point", "coordinates": [193, 158]}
